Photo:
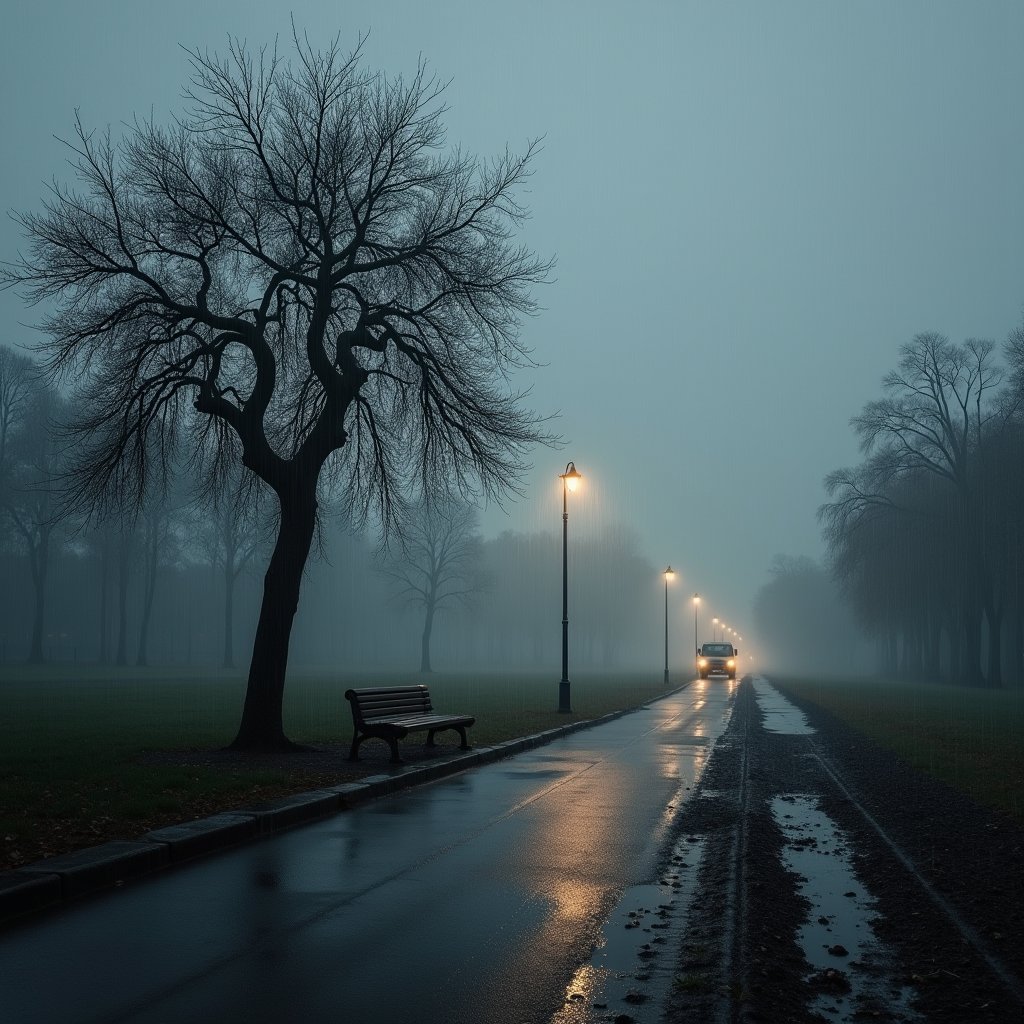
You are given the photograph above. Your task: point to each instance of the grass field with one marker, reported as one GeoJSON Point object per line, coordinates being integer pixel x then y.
{"type": "Point", "coordinates": [971, 739]}
{"type": "Point", "coordinates": [75, 771]}
{"type": "Point", "coordinates": [73, 760]}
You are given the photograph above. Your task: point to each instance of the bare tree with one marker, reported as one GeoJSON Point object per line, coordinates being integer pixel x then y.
{"type": "Point", "coordinates": [298, 260]}
{"type": "Point", "coordinates": [29, 495]}
{"type": "Point", "coordinates": [940, 408]}
{"type": "Point", "coordinates": [230, 531]}
{"type": "Point", "coordinates": [936, 408]}
{"type": "Point", "coordinates": [438, 563]}
{"type": "Point", "coordinates": [16, 377]}
{"type": "Point", "coordinates": [160, 526]}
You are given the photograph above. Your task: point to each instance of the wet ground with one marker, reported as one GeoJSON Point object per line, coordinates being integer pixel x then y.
{"type": "Point", "coordinates": [839, 885]}
{"type": "Point", "coordinates": [726, 855]}
{"type": "Point", "coordinates": [495, 895]}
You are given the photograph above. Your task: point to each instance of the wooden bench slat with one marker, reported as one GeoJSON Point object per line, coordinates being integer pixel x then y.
{"type": "Point", "coordinates": [391, 712]}
{"type": "Point", "coordinates": [378, 707]}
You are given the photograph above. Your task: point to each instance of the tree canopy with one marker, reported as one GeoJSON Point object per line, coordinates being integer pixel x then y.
{"type": "Point", "coordinates": [300, 259]}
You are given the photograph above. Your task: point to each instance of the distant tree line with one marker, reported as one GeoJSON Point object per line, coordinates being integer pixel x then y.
{"type": "Point", "coordinates": [926, 535]}
{"type": "Point", "coordinates": [178, 581]}
{"type": "Point", "coordinates": [803, 624]}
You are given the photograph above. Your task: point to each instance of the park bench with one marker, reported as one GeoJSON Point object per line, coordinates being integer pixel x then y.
{"type": "Point", "coordinates": [392, 712]}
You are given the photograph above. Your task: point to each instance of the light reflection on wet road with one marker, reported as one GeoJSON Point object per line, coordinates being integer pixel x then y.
{"type": "Point", "coordinates": [476, 898]}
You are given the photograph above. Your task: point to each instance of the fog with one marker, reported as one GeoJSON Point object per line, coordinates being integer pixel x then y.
{"type": "Point", "coordinates": [751, 208]}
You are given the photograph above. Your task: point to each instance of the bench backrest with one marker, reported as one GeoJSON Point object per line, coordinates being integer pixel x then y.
{"type": "Point", "coordinates": [370, 703]}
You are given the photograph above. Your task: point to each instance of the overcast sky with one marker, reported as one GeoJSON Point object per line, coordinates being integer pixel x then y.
{"type": "Point", "coordinates": [752, 206]}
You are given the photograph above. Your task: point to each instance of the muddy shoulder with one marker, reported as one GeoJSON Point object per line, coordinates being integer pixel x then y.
{"type": "Point", "coordinates": [746, 944]}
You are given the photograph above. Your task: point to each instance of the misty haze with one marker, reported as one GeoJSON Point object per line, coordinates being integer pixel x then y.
{"type": "Point", "coordinates": [512, 514]}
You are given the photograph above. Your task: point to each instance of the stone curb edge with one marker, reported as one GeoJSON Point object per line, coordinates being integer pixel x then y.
{"type": "Point", "coordinates": [48, 884]}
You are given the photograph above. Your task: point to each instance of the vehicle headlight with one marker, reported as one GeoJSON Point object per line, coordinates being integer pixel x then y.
{"type": "Point", "coordinates": [732, 664]}
{"type": "Point", "coordinates": [703, 662]}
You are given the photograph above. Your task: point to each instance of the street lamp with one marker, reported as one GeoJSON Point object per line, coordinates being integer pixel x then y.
{"type": "Point", "coordinates": [696, 642]}
{"type": "Point", "coordinates": [570, 481]}
{"type": "Point", "coordinates": [714, 628]}
{"type": "Point", "coordinates": [669, 574]}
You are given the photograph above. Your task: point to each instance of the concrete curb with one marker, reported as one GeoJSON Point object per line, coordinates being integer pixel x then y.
{"type": "Point", "coordinates": [55, 881]}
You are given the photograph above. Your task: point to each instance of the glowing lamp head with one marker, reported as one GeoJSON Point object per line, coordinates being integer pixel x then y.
{"type": "Point", "coordinates": [571, 477]}
{"type": "Point", "coordinates": [670, 573]}
{"type": "Point", "coordinates": [696, 599]}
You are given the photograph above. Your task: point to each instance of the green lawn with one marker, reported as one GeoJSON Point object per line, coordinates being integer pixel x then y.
{"type": "Point", "coordinates": [73, 737]}
{"type": "Point", "coordinates": [971, 739]}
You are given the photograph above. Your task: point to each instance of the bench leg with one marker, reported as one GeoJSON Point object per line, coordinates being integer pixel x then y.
{"type": "Point", "coordinates": [460, 729]}
{"type": "Point", "coordinates": [353, 754]}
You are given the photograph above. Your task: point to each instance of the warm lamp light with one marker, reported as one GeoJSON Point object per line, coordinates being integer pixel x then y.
{"type": "Point", "coordinates": [570, 479]}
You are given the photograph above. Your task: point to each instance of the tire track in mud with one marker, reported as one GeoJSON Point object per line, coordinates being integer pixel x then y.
{"type": "Point", "coordinates": [734, 936]}
{"type": "Point", "coordinates": [741, 959]}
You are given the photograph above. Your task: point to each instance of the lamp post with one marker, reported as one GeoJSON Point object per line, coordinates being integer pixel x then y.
{"type": "Point", "coordinates": [714, 628]}
{"type": "Point", "coordinates": [570, 481]}
{"type": "Point", "coordinates": [696, 642]}
{"type": "Point", "coordinates": [669, 574]}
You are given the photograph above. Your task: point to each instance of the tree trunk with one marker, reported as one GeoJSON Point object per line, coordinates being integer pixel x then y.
{"type": "Point", "coordinates": [231, 567]}
{"type": "Point", "coordinates": [933, 657]}
{"type": "Point", "coordinates": [40, 559]}
{"type": "Point", "coordinates": [914, 642]}
{"type": "Point", "coordinates": [955, 635]}
{"type": "Point", "coordinates": [428, 626]}
{"type": "Point", "coordinates": [152, 559]}
{"type": "Point", "coordinates": [262, 726]}
{"type": "Point", "coordinates": [104, 652]}
{"type": "Point", "coordinates": [122, 599]}
{"type": "Point", "coordinates": [972, 648]}
{"type": "Point", "coordinates": [994, 617]}
{"type": "Point", "coordinates": [891, 653]}
{"type": "Point", "coordinates": [229, 612]}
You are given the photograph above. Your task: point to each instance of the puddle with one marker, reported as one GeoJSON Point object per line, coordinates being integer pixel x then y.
{"type": "Point", "coordinates": [849, 961]}
{"type": "Point", "coordinates": [634, 961]}
{"type": "Point", "coordinates": [780, 715]}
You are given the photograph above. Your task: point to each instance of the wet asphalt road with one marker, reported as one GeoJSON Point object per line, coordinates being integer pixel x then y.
{"type": "Point", "coordinates": [472, 899]}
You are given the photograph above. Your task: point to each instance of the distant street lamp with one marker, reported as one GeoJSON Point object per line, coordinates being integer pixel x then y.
{"type": "Point", "coordinates": [714, 628]}
{"type": "Point", "coordinates": [570, 481]}
{"type": "Point", "coordinates": [696, 642]}
{"type": "Point", "coordinates": [669, 574]}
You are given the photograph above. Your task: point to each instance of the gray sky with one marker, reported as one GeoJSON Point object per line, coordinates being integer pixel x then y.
{"type": "Point", "coordinates": [752, 205]}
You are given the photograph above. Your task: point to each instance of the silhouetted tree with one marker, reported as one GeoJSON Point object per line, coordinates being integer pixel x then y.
{"type": "Point", "coordinates": [911, 529]}
{"type": "Point", "coordinates": [17, 373]}
{"type": "Point", "coordinates": [230, 530]}
{"type": "Point", "coordinates": [34, 462]}
{"type": "Point", "coordinates": [160, 528]}
{"type": "Point", "coordinates": [437, 563]}
{"type": "Point", "coordinates": [299, 261]}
